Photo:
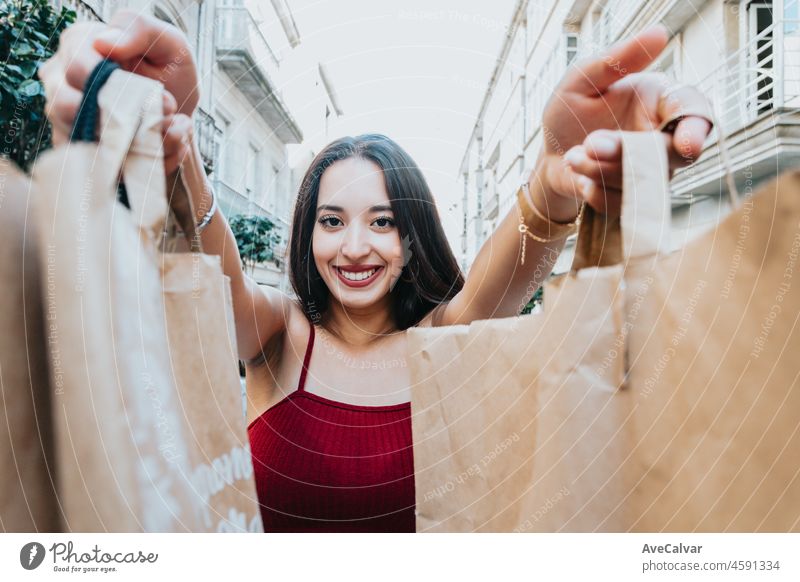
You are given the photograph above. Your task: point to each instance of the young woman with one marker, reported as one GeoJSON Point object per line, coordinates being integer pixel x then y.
{"type": "Point", "coordinates": [328, 391]}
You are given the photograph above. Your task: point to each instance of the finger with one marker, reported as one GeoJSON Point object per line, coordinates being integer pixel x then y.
{"type": "Point", "coordinates": [170, 104]}
{"type": "Point", "coordinates": [604, 200]}
{"type": "Point", "coordinates": [173, 162]}
{"type": "Point", "coordinates": [561, 178]}
{"type": "Point", "coordinates": [177, 141]}
{"type": "Point", "coordinates": [595, 75]}
{"type": "Point", "coordinates": [608, 174]}
{"type": "Point", "coordinates": [604, 145]}
{"type": "Point", "coordinates": [688, 140]}
{"type": "Point", "coordinates": [61, 109]}
{"type": "Point", "coordinates": [134, 36]}
{"type": "Point", "coordinates": [682, 101]}
{"type": "Point", "coordinates": [176, 132]}
{"type": "Point", "coordinates": [169, 135]}
{"type": "Point", "coordinates": [80, 67]}
{"type": "Point", "coordinates": [75, 58]}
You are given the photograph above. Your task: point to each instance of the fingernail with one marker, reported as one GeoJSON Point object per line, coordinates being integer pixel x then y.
{"type": "Point", "coordinates": [585, 185]}
{"type": "Point", "coordinates": [603, 146]}
{"type": "Point", "coordinates": [574, 157]}
{"type": "Point", "coordinates": [111, 36]}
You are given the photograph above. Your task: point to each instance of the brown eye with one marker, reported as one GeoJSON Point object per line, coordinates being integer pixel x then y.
{"type": "Point", "coordinates": [330, 221]}
{"type": "Point", "coordinates": [384, 222]}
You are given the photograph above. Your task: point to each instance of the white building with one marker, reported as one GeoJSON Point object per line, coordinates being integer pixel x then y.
{"type": "Point", "coordinates": [243, 125]}
{"type": "Point", "coordinates": [743, 54]}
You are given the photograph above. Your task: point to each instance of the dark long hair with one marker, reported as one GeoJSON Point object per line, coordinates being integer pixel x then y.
{"type": "Point", "coordinates": [431, 275]}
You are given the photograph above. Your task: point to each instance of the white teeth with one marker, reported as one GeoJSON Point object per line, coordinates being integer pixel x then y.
{"type": "Point", "coordinates": [357, 276]}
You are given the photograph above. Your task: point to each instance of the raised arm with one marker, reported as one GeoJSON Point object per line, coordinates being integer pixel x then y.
{"type": "Point", "coordinates": [150, 47]}
{"type": "Point", "coordinates": [581, 161]}
{"type": "Point", "coordinates": [260, 312]}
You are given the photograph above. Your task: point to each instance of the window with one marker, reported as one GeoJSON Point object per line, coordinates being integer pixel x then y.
{"type": "Point", "coordinates": [791, 15]}
{"type": "Point", "coordinates": [571, 45]}
{"type": "Point", "coordinates": [666, 63]}
{"type": "Point", "coordinates": [759, 30]}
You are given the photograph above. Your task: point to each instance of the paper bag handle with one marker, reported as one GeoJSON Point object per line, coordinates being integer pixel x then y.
{"type": "Point", "coordinates": [130, 110]}
{"type": "Point", "coordinates": [131, 144]}
{"type": "Point", "coordinates": [643, 227]}
{"type": "Point", "coordinates": [84, 128]}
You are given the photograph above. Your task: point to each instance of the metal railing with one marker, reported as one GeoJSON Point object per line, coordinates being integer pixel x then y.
{"type": "Point", "coordinates": [762, 76]}
{"type": "Point", "coordinates": [232, 202]}
{"type": "Point", "coordinates": [208, 137]}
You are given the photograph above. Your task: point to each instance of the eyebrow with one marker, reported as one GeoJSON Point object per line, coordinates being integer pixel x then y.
{"type": "Point", "coordinates": [376, 208]}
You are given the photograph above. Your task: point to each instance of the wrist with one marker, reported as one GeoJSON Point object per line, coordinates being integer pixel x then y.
{"type": "Point", "coordinates": [547, 200]}
{"type": "Point", "coordinates": [192, 177]}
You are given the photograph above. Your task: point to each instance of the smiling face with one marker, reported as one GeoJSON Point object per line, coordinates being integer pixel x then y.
{"type": "Point", "coordinates": [356, 244]}
{"type": "Point", "coordinates": [343, 221]}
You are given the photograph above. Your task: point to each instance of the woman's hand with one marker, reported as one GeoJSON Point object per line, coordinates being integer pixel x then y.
{"type": "Point", "coordinates": [581, 158]}
{"type": "Point", "coordinates": [140, 44]}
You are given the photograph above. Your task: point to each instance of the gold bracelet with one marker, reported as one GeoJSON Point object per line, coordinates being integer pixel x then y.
{"type": "Point", "coordinates": [556, 230]}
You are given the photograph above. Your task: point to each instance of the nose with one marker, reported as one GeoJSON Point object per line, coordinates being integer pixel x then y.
{"type": "Point", "coordinates": [356, 244]}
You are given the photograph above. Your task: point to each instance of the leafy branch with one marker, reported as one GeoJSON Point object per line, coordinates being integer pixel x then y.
{"type": "Point", "coordinates": [257, 239]}
{"type": "Point", "coordinates": [29, 35]}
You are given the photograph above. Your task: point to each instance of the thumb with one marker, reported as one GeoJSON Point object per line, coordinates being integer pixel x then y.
{"type": "Point", "coordinates": [119, 45]}
{"type": "Point", "coordinates": [595, 75]}
{"type": "Point", "coordinates": [132, 36]}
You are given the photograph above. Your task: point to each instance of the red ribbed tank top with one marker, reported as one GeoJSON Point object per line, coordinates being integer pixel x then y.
{"type": "Point", "coordinates": [327, 466]}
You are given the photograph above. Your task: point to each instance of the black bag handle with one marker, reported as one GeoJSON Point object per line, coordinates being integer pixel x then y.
{"type": "Point", "coordinates": [85, 126]}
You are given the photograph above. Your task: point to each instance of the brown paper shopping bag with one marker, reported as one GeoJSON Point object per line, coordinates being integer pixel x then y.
{"type": "Point", "coordinates": [715, 376]}
{"type": "Point", "coordinates": [516, 421]}
{"type": "Point", "coordinates": [712, 378]}
{"type": "Point", "coordinates": [683, 444]}
{"type": "Point", "coordinates": [27, 499]}
{"type": "Point", "coordinates": [135, 447]}
{"type": "Point", "coordinates": [202, 339]}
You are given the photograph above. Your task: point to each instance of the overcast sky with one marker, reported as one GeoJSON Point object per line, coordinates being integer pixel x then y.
{"type": "Point", "coordinates": [414, 70]}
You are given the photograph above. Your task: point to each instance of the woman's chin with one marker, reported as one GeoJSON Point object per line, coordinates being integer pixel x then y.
{"type": "Point", "coordinates": [357, 298]}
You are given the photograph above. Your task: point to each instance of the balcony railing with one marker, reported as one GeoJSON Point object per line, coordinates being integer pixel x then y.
{"type": "Point", "coordinates": [208, 138]}
{"type": "Point", "coordinates": [490, 211]}
{"type": "Point", "coordinates": [232, 202]}
{"type": "Point", "coordinates": [763, 76]}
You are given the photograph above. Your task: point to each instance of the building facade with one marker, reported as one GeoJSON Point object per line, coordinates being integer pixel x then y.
{"type": "Point", "coordinates": [743, 54]}
{"type": "Point", "coordinates": [243, 125]}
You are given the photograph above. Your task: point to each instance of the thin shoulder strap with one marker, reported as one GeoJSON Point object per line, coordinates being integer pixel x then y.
{"type": "Point", "coordinates": [301, 385]}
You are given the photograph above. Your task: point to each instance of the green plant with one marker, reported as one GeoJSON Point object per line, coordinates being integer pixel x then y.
{"type": "Point", "coordinates": [29, 34]}
{"type": "Point", "coordinates": [534, 301]}
{"type": "Point", "coordinates": [257, 239]}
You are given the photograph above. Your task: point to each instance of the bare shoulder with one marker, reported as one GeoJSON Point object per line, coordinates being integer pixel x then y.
{"type": "Point", "coordinates": [278, 361]}
{"type": "Point", "coordinates": [294, 326]}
